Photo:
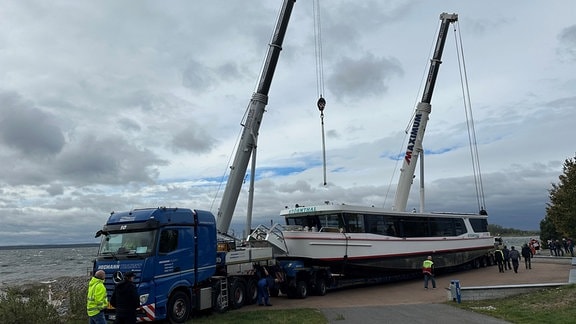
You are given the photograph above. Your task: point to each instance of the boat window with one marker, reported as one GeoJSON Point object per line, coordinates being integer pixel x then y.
{"type": "Point", "coordinates": [308, 221]}
{"type": "Point", "coordinates": [479, 224]}
{"type": "Point", "coordinates": [355, 223]}
{"type": "Point", "coordinates": [330, 221]}
{"type": "Point", "coordinates": [381, 224]}
{"type": "Point", "coordinates": [459, 226]}
{"type": "Point", "coordinates": [441, 227]}
{"type": "Point", "coordinates": [415, 227]}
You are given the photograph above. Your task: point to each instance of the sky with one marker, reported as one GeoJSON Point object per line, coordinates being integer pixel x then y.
{"type": "Point", "coordinates": [114, 105]}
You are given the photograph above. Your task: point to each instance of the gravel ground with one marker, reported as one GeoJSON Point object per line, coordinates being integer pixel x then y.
{"type": "Point", "coordinates": [545, 269]}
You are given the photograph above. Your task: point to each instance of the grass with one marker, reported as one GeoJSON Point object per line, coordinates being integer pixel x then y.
{"type": "Point", "coordinates": [552, 305]}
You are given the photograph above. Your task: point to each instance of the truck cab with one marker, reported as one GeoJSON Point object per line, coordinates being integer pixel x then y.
{"type": "Point", "coordinates": [170, 250]}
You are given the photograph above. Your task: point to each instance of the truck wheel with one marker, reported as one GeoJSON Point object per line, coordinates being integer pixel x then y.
{"type": "Point", "coordinates": [251, 291]}
{"type": "Point", "coordinates": [476, 263]}
{"type": "Point", "coordinates": [320, 288]}
{"type": "Point", "coordinates": [301, 289]}
{"type": "Point", "coordinates": [237, 293]}
{"type": "Point", "coordinates": [178, 307]}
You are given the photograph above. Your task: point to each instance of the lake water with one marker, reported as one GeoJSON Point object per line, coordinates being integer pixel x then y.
{"type": "Point", "coordinates": [518, 241]}
{"type": "Point", "coordinates": [42, 264]}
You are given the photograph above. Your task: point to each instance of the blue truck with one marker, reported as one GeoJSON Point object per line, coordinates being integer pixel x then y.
{"type": "Point", "coordinates": [182, 264]}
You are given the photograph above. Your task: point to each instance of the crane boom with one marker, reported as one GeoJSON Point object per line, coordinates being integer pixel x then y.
{"type": "Point", "coordinates": [423, 109]}
{"type": "Point", "coordinates": [256, 109]}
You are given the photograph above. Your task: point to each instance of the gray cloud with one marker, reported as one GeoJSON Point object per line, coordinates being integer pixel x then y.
{"type": "Point", "coordinates": [567, 38]}
{"type": "Point", "coordinates": [107, 160]}
{"type": "Point", "coordinates": [28, 129]}
{"type": "Point", "coordinates": [364, 77]}
{"type": "Point", "coordinates": [194, 139]}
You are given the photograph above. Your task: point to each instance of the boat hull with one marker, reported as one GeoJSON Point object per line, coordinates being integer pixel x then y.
{"type": "Point", "coordinates": [362, 253]}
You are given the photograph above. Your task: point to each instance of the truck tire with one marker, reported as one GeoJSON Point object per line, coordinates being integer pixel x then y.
{"type": "Point", "coordinates": [476, 263]}
{"type": "Point", "coordinates": [178, 307]}
{"type": "Point", "coordinates": [251, 291]}
{"type": "Point", "coordinates": [320, 287]}
{"type": "Point", "coordinates": [301, 289]}
{"type": "Point", "coordinates": [237, 293]}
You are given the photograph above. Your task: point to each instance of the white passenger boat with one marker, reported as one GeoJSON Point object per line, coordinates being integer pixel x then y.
{"type": "Point", "coordinates": [357, 240]}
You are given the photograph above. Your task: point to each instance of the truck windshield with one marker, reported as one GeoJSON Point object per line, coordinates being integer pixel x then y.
{"type": "Point", "coordinates": [127, 243]}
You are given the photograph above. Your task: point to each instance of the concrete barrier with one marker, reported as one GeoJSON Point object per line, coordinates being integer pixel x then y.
{"type": "Point", "coordinates": [500, 291]}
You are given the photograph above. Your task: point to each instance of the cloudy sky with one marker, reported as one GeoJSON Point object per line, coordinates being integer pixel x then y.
{"type": "Point", "coordinates": [113, 105]}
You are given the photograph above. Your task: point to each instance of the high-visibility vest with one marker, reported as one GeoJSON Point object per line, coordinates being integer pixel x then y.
{"type": "Point", "coordinates": [427, 266]}
{"type": "Point", "coordinates": [96, 300]}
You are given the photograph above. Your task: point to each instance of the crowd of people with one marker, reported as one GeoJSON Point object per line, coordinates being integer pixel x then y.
{"type": "Point", "coordinates": [562, 247]}
{"type": "Point", "coordinates": [509, 259]}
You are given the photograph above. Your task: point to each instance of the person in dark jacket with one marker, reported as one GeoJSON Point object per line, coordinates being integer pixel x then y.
{"type": "Point", "coordinates": [515, 257]}
{"type": "Point", "coordinates": [499, 257]}
{"type": "Point", "coordinates": [507, 264]}
{"type": "Point", "coordinates": [125, 299]}
{"type": "Point", "coordinates": [527, 255]}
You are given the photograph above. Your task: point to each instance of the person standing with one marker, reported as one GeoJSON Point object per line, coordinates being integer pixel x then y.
{"type": "Point", "coordinates": [96, 299]}
{"type": "Point", "coordinates": [499, 257]}
{"type": "Point", "coordinates": [125, 299]}
{"type": "Point", "coordinates": [265, 282]}
{"type": "Point", "coordinates": [507, 264]}
{"type": "Point", "coordinates": [527, 255]}
{"type": "Point", "coordinates": [428, 271]}
{"type": "Point", "coordinates": [515, 257]}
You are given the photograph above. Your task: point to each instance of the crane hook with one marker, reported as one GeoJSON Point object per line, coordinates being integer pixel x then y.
{"type": "Point", "coordinates": [321, 104]}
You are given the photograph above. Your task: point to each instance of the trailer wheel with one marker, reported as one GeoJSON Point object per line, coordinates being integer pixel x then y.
{"type": "Point", "coordinates": [476, 263]}
{"type": "Point", "coordinates": [320, 287]}
{"type": "Point", "coordinates": [251, 291]}
{"type": "Point", "coordinates": [178, 307]}
{"type": "Point", "coordinates": [301, 289]}
{"type": "Point", "coordinates": [237, 293]}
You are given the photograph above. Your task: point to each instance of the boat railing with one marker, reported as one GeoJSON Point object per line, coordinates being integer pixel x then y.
{"type": "Point", "coordinates": [273, 236]}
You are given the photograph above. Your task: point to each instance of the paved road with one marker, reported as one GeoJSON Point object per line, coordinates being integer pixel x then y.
{"type": "Point", "coordinates": [408, 302]}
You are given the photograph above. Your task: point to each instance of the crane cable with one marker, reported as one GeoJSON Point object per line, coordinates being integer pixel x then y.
{"type": "Point", "coordinates": [321, 103]}
{"type": "Point", "coordinates": [470, 123]}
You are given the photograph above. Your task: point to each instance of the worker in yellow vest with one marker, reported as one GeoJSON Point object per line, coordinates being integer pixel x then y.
{"type": "Point", "coordinates": [428, 271]}
{"type": "Point", "coordinates": [97, 300]}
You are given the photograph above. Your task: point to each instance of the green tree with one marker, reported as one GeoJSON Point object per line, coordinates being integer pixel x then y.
{"type": "Point", "coordinates": [561, 210]}
{"type": "Point", "coordinates": [548, 232]}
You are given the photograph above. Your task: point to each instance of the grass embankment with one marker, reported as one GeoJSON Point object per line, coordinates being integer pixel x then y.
{"type": "Point", "coordinates": [552, 305]}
